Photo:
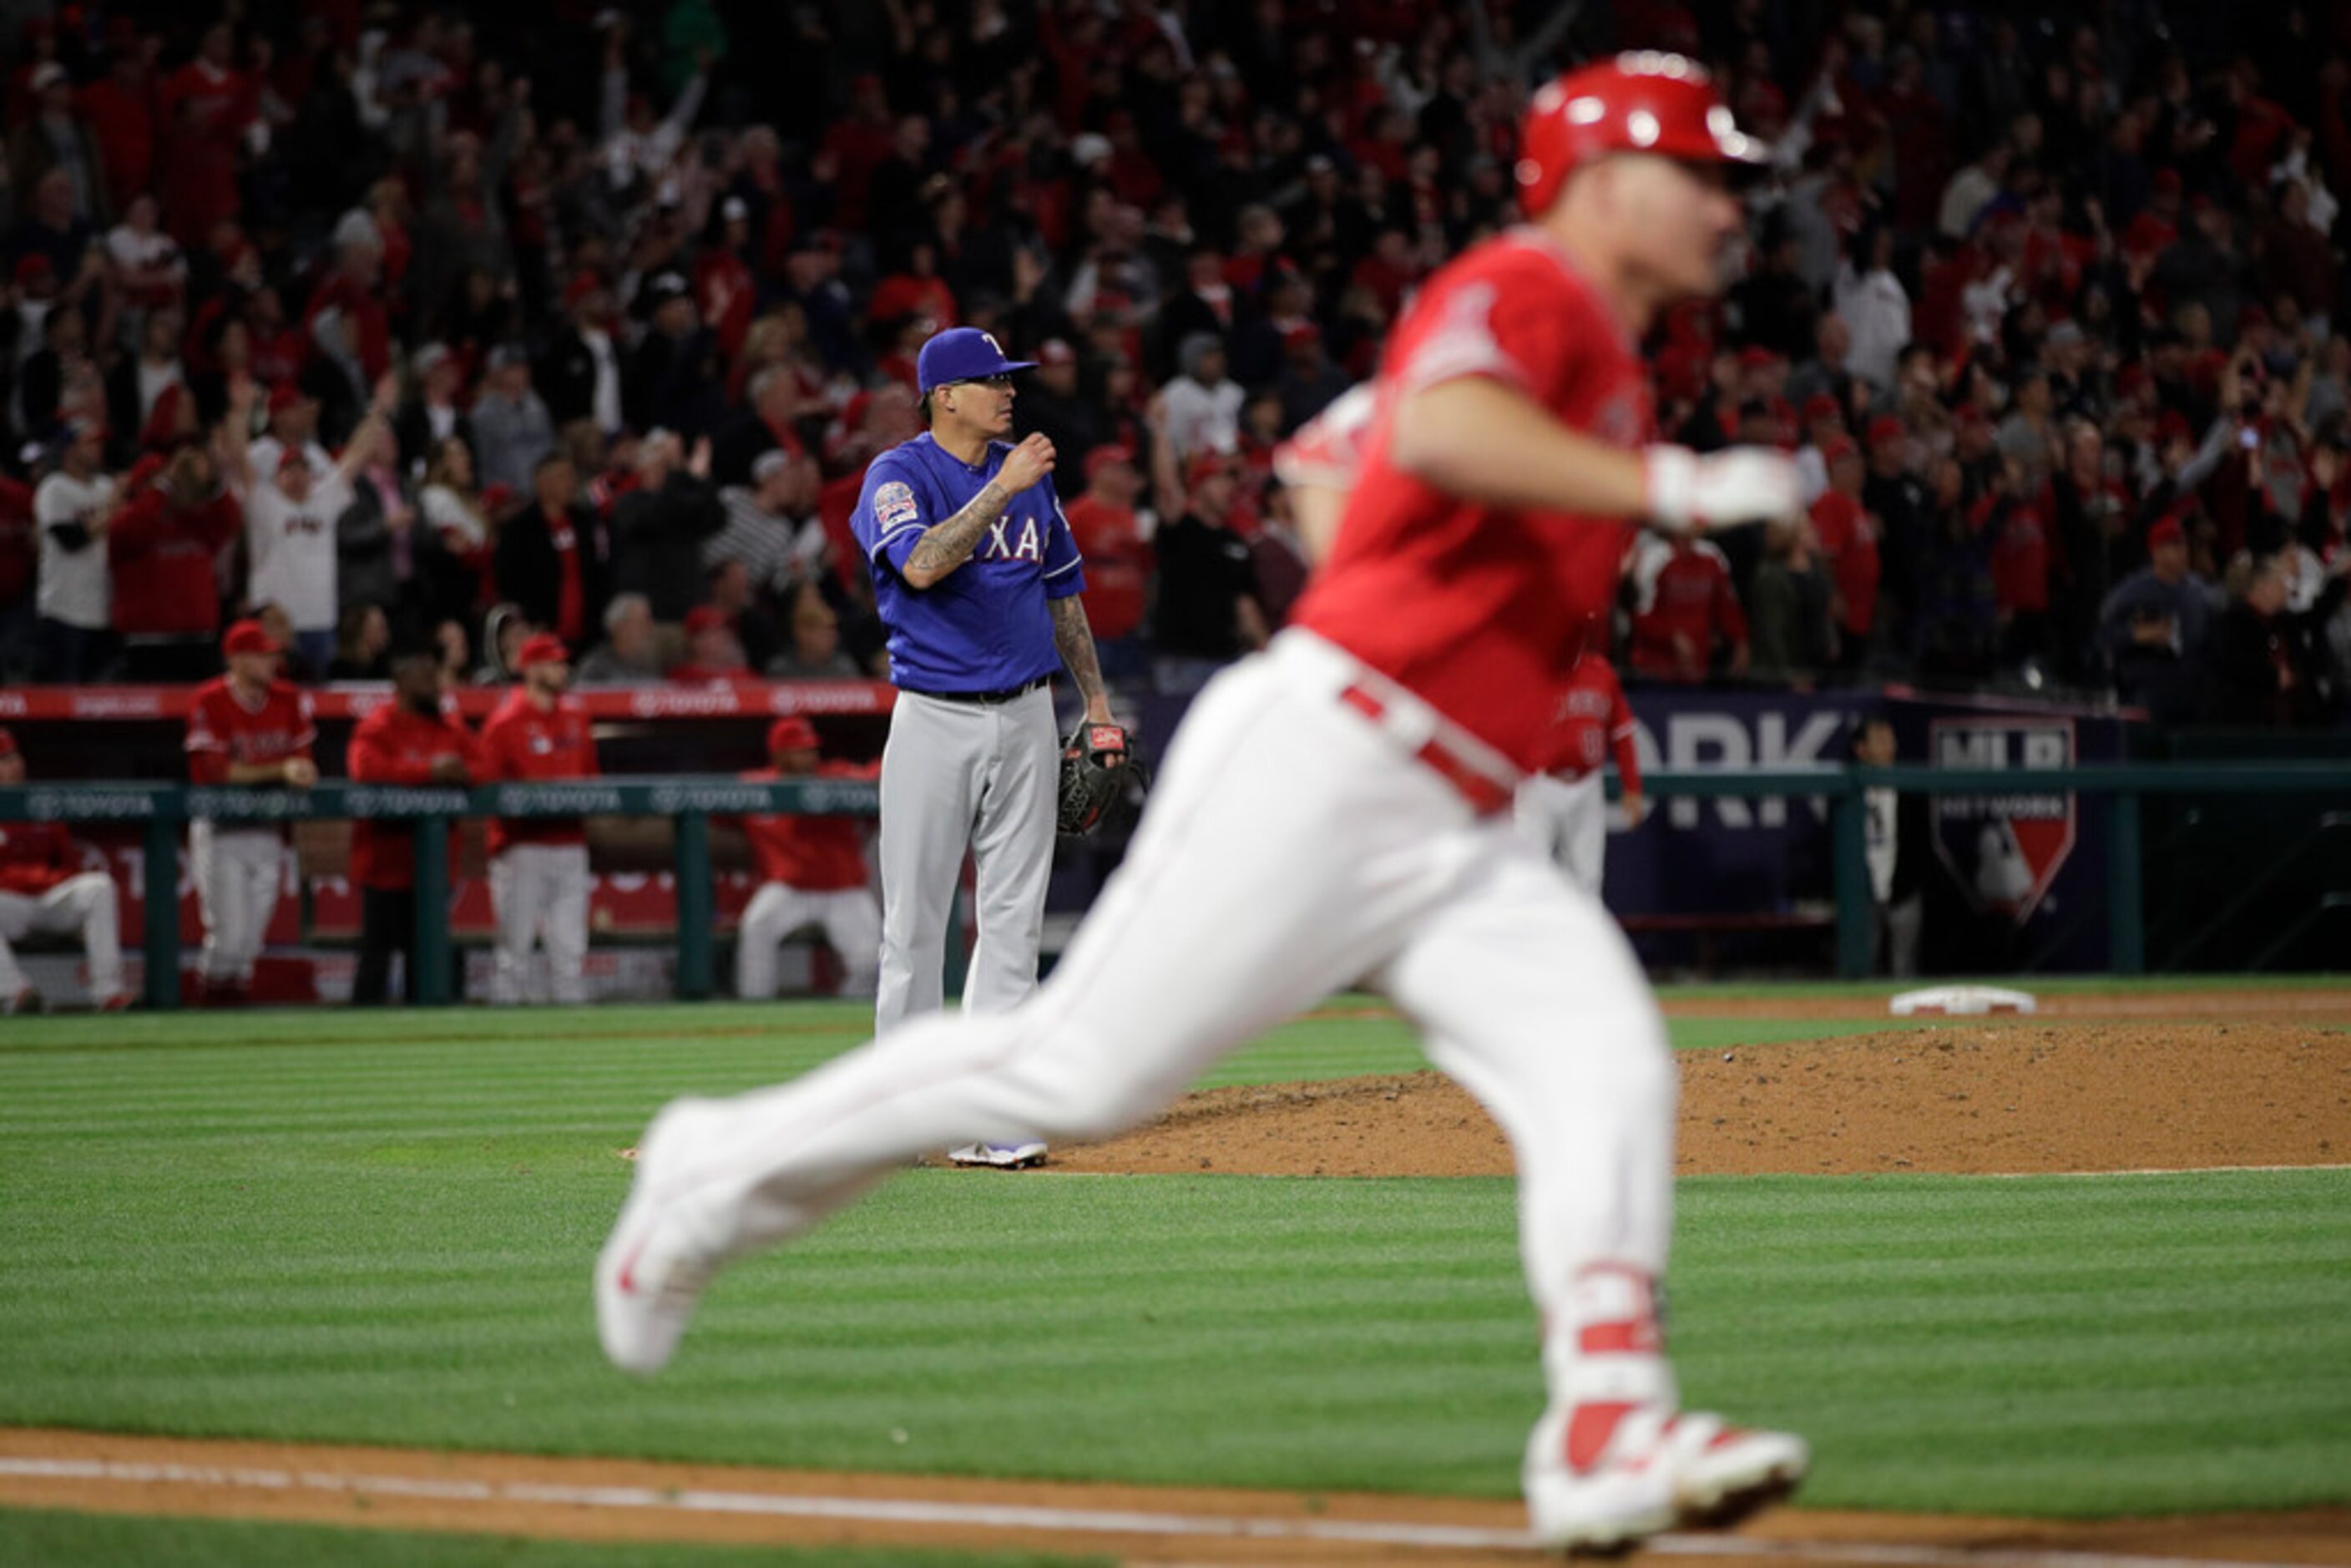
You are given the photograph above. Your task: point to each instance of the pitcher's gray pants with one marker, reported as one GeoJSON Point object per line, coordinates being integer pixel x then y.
{"type": "Point", "coordinates": [957, 775]}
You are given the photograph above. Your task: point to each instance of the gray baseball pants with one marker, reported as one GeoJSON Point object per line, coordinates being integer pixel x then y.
{"type": "Point", "coordinates": [981, 776]}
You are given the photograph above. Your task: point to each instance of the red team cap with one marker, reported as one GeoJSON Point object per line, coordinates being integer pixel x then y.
{"type": "Point", "coordinates": [1886, 430]}
{"type": "Point", "coordinates": [1206, 466]}
{"type": "Point", "coordinates": [1820, 405]}
{"type": "Point", "coordinates": [704, 618]}
{"type": "Point", "coordinates": [794, 734]}
{"type": "Point", "coordinates": [286, 395]}
{"type": "Point", "coordinates": [542, 648]}
{"type": "Point", "coordinates": [2166, 531]}
{"type": "Point", "coordinates": [8, 743]}
{"type": "Point", "coordinates": [1837, 450]}
{"type": "Point", "coordinates": [247, 637]}
{"type": "Point", "coordinates": [1640, 101]}
{"type": "Point", "coordinates": [1102, 457]}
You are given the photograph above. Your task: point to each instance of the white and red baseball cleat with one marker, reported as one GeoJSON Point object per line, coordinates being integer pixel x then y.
{"type": "Point", "coordinates": [1604, 1476]}
{"type": "Point", "coordinates": [651, 1271]}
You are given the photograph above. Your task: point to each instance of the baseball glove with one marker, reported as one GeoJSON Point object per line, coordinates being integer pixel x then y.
{"type": "Point", "coordinates": [1097, 772]}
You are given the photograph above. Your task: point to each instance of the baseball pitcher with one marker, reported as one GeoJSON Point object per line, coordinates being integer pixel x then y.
{"type": "Point", "coordinates": [977, 577]}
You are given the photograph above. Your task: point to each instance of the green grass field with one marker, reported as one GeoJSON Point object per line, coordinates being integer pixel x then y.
{"type": "Point", "coordinates": [377, 1228]}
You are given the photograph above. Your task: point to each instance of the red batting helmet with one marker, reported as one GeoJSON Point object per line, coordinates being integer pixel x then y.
{"type": "Point", "coordinates": [1642, 101]}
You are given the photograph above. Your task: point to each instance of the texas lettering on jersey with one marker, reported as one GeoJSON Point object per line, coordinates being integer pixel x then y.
{"type": "Point", "coordinates": [1001, 544]}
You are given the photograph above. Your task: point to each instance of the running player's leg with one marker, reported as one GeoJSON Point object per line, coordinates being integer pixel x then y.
{"type": "Point", "coordinates": [568, 885]}
{"type": "Point", "coordinates": [929, 766]}
{"type": "Point", "coordinates": [1530, 996]}
{"type": "Point", "coordinates": [853, 925]}
{"type": "Point", "coordinates": [1237, 905]}
{"type": "Point", "coordinates": [1012, 851]}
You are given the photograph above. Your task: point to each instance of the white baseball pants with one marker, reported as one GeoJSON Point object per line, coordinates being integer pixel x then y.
{"type": "Point", "coordinates": [238, 872]}
{"type": "Point", "coordinates": [541, 891]}
{"type": "Point", "coordinates": [1568, 820]}
{"type": "Point", "coordinates": [958, 776]}
{"type": "Point", "coordinates": [1292, 848]}
{"type": "Point", "coordinates": [85, 904]}
{"type": "Point", "coordinates": [852, 921]}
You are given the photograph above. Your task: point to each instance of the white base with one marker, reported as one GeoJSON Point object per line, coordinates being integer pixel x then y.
{"type": "Point", "coordinates": [1961, 1001]}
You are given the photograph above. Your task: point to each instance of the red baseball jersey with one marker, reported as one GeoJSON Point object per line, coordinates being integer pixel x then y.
{"type": "Point", "coordinates": [1484, 611]}
{"type": "Point", "coordinates": [35, 857]}
{"type": "Point", "coordinates": [1692, 599]}
{"type": "Point", "coordinates": [1118, 566]}
{"type": "Point", "coordinates": [1328, 450]}
{"type": "Point", "coordinates": [1848, 538]}
{"type": "Point", "coordinates": [814, 854]}
{"type": "Point", "coordinates": [223, 730]}
{"type": "Point", "coordinates": [394, 744]}
{"type": "Point", "coordinates": [520, 742]}
{"type": "Point", "coordinates": [1593, 719]}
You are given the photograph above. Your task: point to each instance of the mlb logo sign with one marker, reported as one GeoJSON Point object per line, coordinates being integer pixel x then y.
{"type": "Point", "coordinates": [2004, 849]}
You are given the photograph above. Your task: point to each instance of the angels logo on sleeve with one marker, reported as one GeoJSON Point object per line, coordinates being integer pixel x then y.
{"type": "Point", "coordinates": [894, 506]}
{"type": "Point", "coordinates": [1461, 342]}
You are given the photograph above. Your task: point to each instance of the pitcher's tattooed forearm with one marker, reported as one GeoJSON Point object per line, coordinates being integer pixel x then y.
{"type": "Point", "coordinates": [946, 546]}
{"type": "Point", "coordinates": [1073, 639]}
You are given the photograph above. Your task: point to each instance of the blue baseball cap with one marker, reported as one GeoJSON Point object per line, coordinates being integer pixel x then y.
{"type": "Point", "coordinates": [963, 354]}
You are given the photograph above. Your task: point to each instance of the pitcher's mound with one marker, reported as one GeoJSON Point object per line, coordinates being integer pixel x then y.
{"type": "Point", "coordinates": [2019, 1098]}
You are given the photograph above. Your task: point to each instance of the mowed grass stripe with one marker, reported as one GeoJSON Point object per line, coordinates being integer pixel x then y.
{"type": "Point", "coordinates": [1945, 1344]}
{"type": "Point", "coordinates": [445, 1085]}
{"type": "Point", "coordinates": [45, 1538]}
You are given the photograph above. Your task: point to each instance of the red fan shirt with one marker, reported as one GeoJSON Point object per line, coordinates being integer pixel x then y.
{"type": "Point", "coordinates": [1848, 537]}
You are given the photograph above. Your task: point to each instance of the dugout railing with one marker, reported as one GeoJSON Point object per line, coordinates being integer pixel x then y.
{"type": "Point", "coordinates": [163, 811]}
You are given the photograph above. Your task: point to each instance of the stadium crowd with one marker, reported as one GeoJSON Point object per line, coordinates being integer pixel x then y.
{"type": "Point", "coordinates": [389, 325]}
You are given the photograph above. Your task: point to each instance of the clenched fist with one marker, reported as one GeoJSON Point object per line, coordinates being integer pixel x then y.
{"type": "Point", "coordinates": [1026, 463]}
{"type": "Point", "coordinates": [1688, 493]}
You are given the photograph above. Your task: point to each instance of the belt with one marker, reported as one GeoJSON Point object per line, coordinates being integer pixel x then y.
{"type": "Point", "coordinates": [1486, 796]}
{"type": "Point", "coordinates": [985, 699]}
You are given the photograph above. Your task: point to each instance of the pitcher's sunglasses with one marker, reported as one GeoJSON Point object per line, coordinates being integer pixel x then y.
{"type": "Point", "coordinates": [999, 383]}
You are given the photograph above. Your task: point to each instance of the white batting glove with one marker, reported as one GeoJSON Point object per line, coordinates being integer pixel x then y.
{"type": "Point", "coordinates": [1688, 493]}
